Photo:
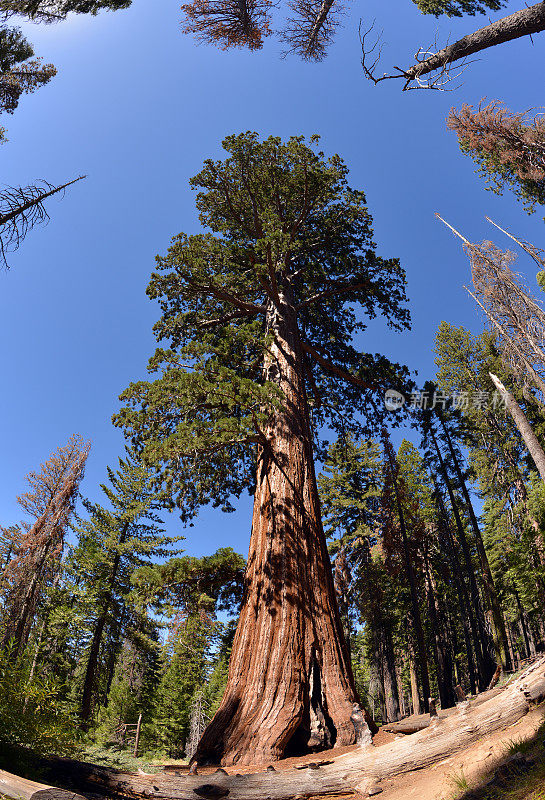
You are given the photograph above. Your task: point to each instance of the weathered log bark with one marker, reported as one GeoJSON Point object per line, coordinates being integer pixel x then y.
{"type": "Point", "coordinates": [23, 789]}
{"type": "Point", "coordinates": [290, 687]}
{"type": "Point", "coordinates": [530, 439]}
{"type": "Point", "coordinates": [521, 23]}
{"type": "Point", "coordinates": [444, 737]}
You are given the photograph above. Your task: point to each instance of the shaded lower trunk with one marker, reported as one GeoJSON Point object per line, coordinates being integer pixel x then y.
{"type": "Point", "coordinates": [290, 687]}
{"type": "Point", "coordinates": [415, 695]}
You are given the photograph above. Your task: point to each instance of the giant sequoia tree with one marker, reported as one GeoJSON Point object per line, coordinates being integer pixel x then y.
{"type": "Point", "coordinates": [260, 315]}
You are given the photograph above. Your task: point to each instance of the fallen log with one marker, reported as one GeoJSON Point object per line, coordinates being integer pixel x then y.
{"type": "Point", "coordinates": [362, 766]}
{"type": "Point", "coordinates": [22, 789]}
{"type": "Point", "coordinates": [409, 726]}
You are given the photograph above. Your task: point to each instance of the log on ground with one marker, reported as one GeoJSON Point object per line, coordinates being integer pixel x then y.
{"type": "Point", "coordinates": [22, 789]}
{"type": "Point", "coordinates": [445, 736]}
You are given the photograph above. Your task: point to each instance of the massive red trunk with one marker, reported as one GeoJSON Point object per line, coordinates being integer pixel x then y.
{"type": "Point", "coordinates": [290, 685]}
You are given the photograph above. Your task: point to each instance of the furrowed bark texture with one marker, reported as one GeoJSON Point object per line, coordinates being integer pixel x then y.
{"type": "Point", "coordinates": [290, 687]}
{"type": "Point", "coordinates": [521, 23]}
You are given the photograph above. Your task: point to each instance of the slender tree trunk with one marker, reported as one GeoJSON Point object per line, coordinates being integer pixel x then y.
{"type": "Point", "coordinates": [469, 624]}
{"type": "Point", "coordinates": [388, 672]}
{"type": "Point", "coordinates": [91, 668]}
{"type": "Point", "coordinates": [500, 637]}
{"type": "Point", "coordinates": [290, 683]}
{"type": "Point", "coordinates": [415, 695]}
{"type": "Point", "coordinates": [415, 606]}
{"type": "Point", "coordinates": [521, 23]}
{"type": "Point", "coordinates": [96, 642]}
{"type": "Point", "coordinates": [443, 659]}
{"type": "Point", "coordinates": [485, 664]}
{"type": "Point", "coordinates": [401, 693]}
{"type": "Point", "coordinates": [523, 626]}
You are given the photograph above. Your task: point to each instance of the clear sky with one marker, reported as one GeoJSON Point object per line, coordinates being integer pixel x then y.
{"type": "Point", "coordinates": [138, 107]}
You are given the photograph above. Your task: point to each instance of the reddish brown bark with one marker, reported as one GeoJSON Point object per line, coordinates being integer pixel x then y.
{"type": "Point", "coordinates": [290, 685]}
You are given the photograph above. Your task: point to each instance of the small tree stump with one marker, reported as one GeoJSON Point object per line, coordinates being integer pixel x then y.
{"type": "Point", "coordinates": [361, 728]}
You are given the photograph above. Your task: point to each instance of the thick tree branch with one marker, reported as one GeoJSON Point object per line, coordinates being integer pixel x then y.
{"type": "Point", "coordinates": [522, 23]}
{"type": "Point", "coordinates": [233, 299]}
{"type": "Point", "coordinates": [335, 289]}
{"type": "Point", "coordinates": [333, 369]}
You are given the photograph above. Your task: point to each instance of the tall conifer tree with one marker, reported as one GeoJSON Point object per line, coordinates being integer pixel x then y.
{"type": "Point", "coordinates": [260, 317]}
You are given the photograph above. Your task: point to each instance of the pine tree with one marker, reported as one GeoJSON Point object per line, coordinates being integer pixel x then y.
{"type": "Point", "coordinates": [184, 673]}
{"type": "Point", "coordinates": [112, 544]}
{"type": "Point", "coordinates": [56, 10]}
{"type": "Point", "coordinates": [259, 313]}
{"type": "Point", "coordinates": [456, 8]}
{"type": "Point", "coordinates": [20, 73]}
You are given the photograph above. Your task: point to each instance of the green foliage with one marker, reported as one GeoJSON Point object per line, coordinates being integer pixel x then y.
{"type": "Point", "coordinates": [32, 715]}
{"type": "Point", "coordinates": [184, 672]}
{"type": "Point", "coordinates": [457, 8]}
{"type": "Point", "coordinates": [54, 10]}
{"type": "Point", "coordinates": [188, 583]}
{"type": "Point", "coordinates": [20, 73]}
{"type": "Point", "coordinates": [281, 217]}
{"type": "Point", "coordinates": [112, 544]}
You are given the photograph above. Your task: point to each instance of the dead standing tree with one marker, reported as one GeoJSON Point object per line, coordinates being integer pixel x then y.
{"type": "Point", "coordinates": [307, 31]}
{"type": "Point", "coordinates": [519, 321]}
{"type": "Point", "coordinates": [20, 209]}
{"type": "Point", "coordinates": [516, 316]}
{"type": "Point", "coordinates": [508, 147]}
{"type": "Point", "coordinates": [37, 556]}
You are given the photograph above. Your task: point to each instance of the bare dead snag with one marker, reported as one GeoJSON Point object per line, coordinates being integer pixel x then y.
{"type": "Point", "coordinates": [519, 319]}
{"type": "Point", "coordinates": [522, 23]}
{"type": "Point", "coordinates": [311, 29]}
{"type": "Point", "coordinates": [21, 207]}
{"type": "Point", "coordinates": [525, 429]}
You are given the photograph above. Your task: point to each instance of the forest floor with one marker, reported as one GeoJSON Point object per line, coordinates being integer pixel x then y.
{"type": "Point", "coordinates": [478, 773]}
{"type": "Point", "coordinates": [506, 765]}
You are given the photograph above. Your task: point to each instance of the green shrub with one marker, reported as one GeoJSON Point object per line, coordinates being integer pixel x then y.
{"type": "Point", "coordinates": [32, 715]}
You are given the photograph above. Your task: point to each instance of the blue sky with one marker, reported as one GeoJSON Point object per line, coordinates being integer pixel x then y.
{"type": "Point", "coordinates": [138, 107]}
